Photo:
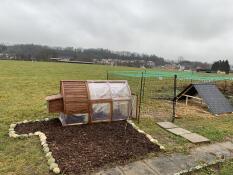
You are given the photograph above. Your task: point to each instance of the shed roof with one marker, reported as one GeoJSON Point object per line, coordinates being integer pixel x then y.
{"type": "Point", "coordinates": [211, 95]}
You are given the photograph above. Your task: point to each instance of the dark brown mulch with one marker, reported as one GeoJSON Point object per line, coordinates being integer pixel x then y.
{"type": "Point", "coordinates": [84, 148]}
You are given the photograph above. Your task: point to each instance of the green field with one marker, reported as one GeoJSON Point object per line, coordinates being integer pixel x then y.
{"type": "Point", "coordinates": [23, 87]}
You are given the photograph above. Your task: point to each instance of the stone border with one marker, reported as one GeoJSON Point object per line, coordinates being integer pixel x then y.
{"type": "Point", "coordinates": [53, 166]}
{"type": "Point", "coordinates": [147, 135]}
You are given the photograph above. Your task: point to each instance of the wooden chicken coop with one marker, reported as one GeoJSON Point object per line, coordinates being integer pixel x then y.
{"type": "Point", "coordinates": [82, 102]}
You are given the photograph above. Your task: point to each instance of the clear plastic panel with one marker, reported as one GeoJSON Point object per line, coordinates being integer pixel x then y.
{"type": "Point", "coordinates": [99, 91]}
{"type": "Point", "coordinates": [120, 110]}
{"type": "Point", "coordinates": [119, 90]}
{"type": "Point", "coordinates": [101, 112]}
{"type": "Point", "coordinates": [134, 106]}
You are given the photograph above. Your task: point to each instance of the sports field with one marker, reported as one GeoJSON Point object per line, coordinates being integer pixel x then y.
{"type": "Point", "coordinates": [23, 87]}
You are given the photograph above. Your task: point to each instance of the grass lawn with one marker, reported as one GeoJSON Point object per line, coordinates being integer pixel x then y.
{"type": "Point", "coordinates": [23, 87]}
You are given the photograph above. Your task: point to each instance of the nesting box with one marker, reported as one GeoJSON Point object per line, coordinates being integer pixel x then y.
{"type": "Point", "coordinates": [81, 102]}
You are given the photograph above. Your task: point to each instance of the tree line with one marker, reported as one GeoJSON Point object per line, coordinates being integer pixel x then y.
{"type": "Point", "coordinates": [44, 53]}
{"type": "Point", "coordinates": [38, 52]}
{"type": "Point", "coordinates": [221, 65]}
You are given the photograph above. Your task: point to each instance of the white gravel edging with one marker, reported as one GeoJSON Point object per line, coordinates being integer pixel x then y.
{"type": "Point", "coordinates": [53, 166]}
{"type": "Point", "coordinates": [147, 135]}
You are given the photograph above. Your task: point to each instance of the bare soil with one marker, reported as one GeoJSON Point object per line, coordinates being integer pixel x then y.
{"type": "Point", "coordinates": [82, 149]}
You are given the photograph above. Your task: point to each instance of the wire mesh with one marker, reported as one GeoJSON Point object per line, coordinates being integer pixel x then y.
{"type": "Point", "coordinates": [155, 89]}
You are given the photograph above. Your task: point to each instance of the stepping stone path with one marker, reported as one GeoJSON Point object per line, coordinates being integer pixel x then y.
{"type": "Point", "coordinates": [177, 163]}
{"type": "Point", "coordinates": [192, 137]}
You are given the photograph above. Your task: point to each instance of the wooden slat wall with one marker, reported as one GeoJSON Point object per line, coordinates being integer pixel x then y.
{"type": "Point", "coordinates": [55, 105]}
{"type": "Point", "coordinates": [75, 97]}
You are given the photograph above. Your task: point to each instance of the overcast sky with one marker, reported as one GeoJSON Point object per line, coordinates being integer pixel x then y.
{"type": "Point", "coordinates": [195, 29]}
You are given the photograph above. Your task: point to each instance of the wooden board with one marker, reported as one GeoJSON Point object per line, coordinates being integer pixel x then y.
{"type": "Point", "coordinates": [75, 97]}
{"type": "Point", "coordinates": [55, 103]}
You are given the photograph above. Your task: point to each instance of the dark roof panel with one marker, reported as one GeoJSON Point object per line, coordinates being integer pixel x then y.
{"type": "Point", "coordinates": [217, 103]}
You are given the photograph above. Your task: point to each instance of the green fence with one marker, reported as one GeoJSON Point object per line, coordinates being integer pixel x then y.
{"type": "Point", "coordinates": [156, 88]}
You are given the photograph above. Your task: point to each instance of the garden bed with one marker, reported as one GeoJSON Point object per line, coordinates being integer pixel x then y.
{"type": "Point", "coordinates": [85, 148]}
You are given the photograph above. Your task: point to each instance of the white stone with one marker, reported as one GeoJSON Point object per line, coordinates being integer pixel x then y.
{"type": "Point", "coordinates": [51, 160]}
{"type": "Point", "coordinates": [141, 131]}
{"type": "Point", "coordinates": [46, 119]}
{"type": "Point", "coordinates": [41, 134]}
{"type": "Point", "coordinates": [154, 140]}
{"type": "Point", "coordinates": [149, 136]}
{"type": "Point", "coordinates": [162, 147]}
{"type": "Point", "coordinates": [11, 129]}
{"type": "Point", "coordinates": [48, 155]}
{"type": "Point", "coordinates": [30, 134]}
{"type": "Point", "coordinates": [12, 125]}
{"type": "Point", "coordinates": [11, 132]}
{"type": "Point", "coordinates": [56, 170]}
{"type": "Point", "coordinates": [37, 133]}
{"type": "Point", "coordinates": [43, 142]}
{"type": "Point", "coordinates": [25, 121]}
{"type": "Point", "coordinates": [53, 165]}
{"type": "Point", "coordinates": [46, 149]}
{"type": "Point", "coordinates": [129, 121]}
{"type": "Point", "coordinates": [42, 137]}
{"type": "Point", "coordinates": [45, 145]}
{"type": "Point", "coordinates": [15, 135]}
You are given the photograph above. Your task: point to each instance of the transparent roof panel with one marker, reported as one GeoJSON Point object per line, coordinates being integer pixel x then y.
{"type": "Point", "coordinates": [108, 90]}
{"type": "Point", "coordinates": [99, 91]}
{"type": "Point", "coordinates": [119, 90]}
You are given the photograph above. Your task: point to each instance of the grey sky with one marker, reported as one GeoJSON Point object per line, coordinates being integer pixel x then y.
{"type": "Point", "coordinates": [195, 29]}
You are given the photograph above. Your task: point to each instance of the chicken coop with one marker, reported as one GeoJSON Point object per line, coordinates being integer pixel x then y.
{"type": "Point", "coordinates": [90, 101]}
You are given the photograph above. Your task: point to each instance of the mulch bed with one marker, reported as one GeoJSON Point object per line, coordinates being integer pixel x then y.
{"type": "Point", "coordinates": [82, 149]}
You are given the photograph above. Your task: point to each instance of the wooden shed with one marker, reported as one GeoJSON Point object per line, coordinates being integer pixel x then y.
{"type": "Point", "coordinates": [89, 101]}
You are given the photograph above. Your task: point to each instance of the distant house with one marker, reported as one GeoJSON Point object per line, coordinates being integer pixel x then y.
{"type": "Point", "coordinates": [55, 59]}
{"type": "Point", "coordinates": [171, 67]}
{"type": "Point", "coordinates": [150, 64]}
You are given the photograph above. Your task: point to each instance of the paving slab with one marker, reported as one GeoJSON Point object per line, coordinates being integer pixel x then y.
{"type": "Point", "coordinates": [178, 131]}
{"type": "Point", "coordinates": [112, 171]}
{"type": "Point", "coordinates": [201, 156]}
{"type": "Point", "coordinates": [163, 165]}
{"type": "Point", "coordinates": [137, 168]}
{"type": "Point", "coordinates": [185, 162]}
{"type": "Point", "coordinates": [217, 150]}
{"type": "Point", "coordinates": [228, 145]}
{"type": "Point", "coordinates": [167, 125]}
{"type": "Point", "coordinates": [195, 138]}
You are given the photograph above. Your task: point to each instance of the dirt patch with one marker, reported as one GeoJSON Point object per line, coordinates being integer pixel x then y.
{"type": "Point", "coordinates": [85, 148]}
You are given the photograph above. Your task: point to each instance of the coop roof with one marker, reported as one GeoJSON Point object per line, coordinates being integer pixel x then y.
{"type": "Point", "coordinates": [75, 96]}
{"type": "Point", "coordinates": [211, 96]}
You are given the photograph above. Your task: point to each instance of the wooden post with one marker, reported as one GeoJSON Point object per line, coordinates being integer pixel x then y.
{"type": "Point", "coordinates": [186, 101]}
{"type": "Point", "coordinates": [225, 86]}
{"type": "Point", "coordinates": [174, 100]}
{"type": "Point", "coordinates": [140, 98]}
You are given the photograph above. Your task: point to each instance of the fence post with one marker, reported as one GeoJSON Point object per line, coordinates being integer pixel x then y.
{"type": "Point", "coordinates": [174, 101]}
{"type": "Point", "coordinates": [143, 87]}
{"type": "Point", "coordinates": [107, 74]}
{"type": "Point", "coordinates": [225, 86]}
{"type": "Point", "coordinates": [140, 98]}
